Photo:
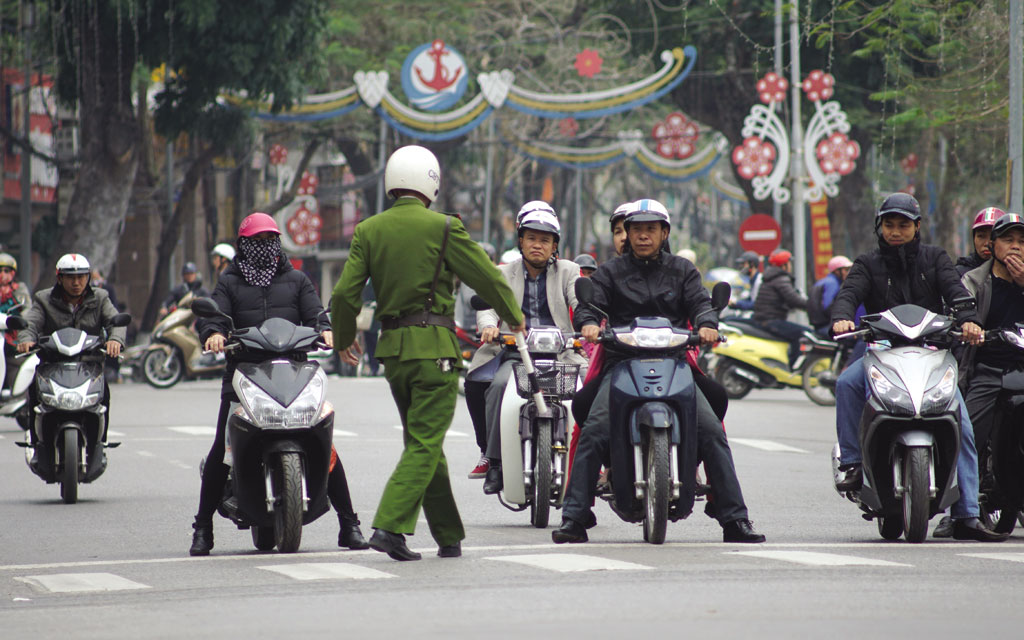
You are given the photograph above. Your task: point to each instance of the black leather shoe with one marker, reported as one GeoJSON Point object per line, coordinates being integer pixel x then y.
{"type": "Point", "coordinates": [450, 550]}
{"type": "Point", "coordinates": [853, 480]}
{"type": "Point", "coordinates": [392, 544]}
{"type": "Point", "coordinates": [350, 536]}
{"type": "Point", "coordinates": [494, 481]}
{"type": "Point", "coordinates": [740, 531]}
{"type": "Point", "coordinates": [944, 529]}
{"type": "Point", "coordinates": [972, 529]}
{"type": "Point", "coordinates": [202, 539]}
{"type": "Point", "coordinates": [570, 531]}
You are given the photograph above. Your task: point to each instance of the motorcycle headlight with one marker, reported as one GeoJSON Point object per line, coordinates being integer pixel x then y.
{"type": "Point", "coordinates": [70, 399]}
{"type": "Point", "coordinates": [307, 408]}
{"type": "Point", "coordinates": [894, 398]}
{"type": "Point", "coordinates": [647, 338]}
{"type": "Point", "coordinates": [937, 397]}
{"type": "Point", "coordinates": [545, 341]}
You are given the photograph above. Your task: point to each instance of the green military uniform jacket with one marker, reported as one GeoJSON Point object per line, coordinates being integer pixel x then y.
{"type": "Point", "coordinates": [399, 248]}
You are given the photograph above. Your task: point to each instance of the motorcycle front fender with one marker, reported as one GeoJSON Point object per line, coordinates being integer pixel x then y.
{"type": "Point", "coordinates": [512, 444]}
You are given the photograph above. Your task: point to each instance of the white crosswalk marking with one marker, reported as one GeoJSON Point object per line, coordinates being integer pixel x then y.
{"type": "Point", "coordinates": [81, 582]}
{"type": "Point", "coordinates": [457, 434]}
{"type": "Point", "coordinates": [340, 432]}
{"type": "Point", "coordinates": [767, 445]}
{"type": "Point", "coordinates": [146, 454]}
{"type": "Point", "coordinates": [195, 431]}
{"type": "Point", "coordinates": [116, 434]}
{"type": "Point", "coordinates": [327, 571]}
{"type": "Point", "coordinates": [818, 559]}
{"type": "Point", "coordinates": [1005, 557]}
{"type": "Point", "coordinates": [571, 562]}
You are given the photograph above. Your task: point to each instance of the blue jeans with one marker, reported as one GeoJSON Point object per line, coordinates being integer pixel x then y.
{"type": "Point", "coordinates": [851, 395]}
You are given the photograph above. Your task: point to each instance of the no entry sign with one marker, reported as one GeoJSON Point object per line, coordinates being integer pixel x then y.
{"type": "Point", "coordinates": [760, 233]}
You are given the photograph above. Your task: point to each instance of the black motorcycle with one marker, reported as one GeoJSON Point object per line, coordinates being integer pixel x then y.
{"type": "Point", "coordinates": [653, 418]}
{"type": "Point", "coordinates": [280, 436]}
{"type": "Point", "coordinates": [69, 421]}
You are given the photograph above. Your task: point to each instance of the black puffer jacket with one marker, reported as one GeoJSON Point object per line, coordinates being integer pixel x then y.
{"type": "Point", "coordinates": [914, 273]}
{"type": "Point", "coordinates": [777, 295]}
{"type": "Point", "coordinates": [968, 263]}
{"type": "Point", "coordinates": [667, 285]}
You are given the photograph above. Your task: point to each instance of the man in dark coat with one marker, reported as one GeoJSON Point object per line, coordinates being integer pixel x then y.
{"type": "Point", "coordinates": [776, 297]}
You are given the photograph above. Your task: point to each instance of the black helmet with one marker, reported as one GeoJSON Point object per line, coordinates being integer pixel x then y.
{"type": "Point", "coordinates": [748, 256]}
{"type": "Point", "coordinates": [1006, 222]}
{"type": "Point", "coordinates": [189, 267]}
{"type": "Point", "coordinates": [903, 204]}
{"type": "Point", "coordinates": [586, 261]}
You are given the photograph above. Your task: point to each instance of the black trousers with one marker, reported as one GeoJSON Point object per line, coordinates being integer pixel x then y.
{"type": "Point", "coordinates": [584, 398]}
{"type": "Point", "coordinates": [215, 474]}
{"type": "Point", "coordinates": [593, 449]}
{"type": "Point", "coordinates": [476, 403]}
{"type": "Point", "coordinates": [985, 384]}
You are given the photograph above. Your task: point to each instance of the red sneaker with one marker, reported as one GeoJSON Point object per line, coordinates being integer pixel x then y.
{"type": "Point", "coordinates": [480, 470]}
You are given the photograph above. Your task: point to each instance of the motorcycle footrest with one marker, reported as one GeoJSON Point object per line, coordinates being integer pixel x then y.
{"type": "Point", "coordinates": [112, 445]}
{"type": "Point", "coordinates": [23, 444]}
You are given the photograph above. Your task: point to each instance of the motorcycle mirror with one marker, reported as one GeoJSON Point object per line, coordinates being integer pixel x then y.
{"type": "Point", "coordinates": [584, 291]}
{"type": "Point", "coordinates": [479, 303]}
{"type": "Point", "coordinates": [119, 320]}
{"type": "Point", "coordinates": [16, 323]}
{"type": "Point", "coordinates": [720, 295]}
{"type": "Point", "coordinates": [206, 308]}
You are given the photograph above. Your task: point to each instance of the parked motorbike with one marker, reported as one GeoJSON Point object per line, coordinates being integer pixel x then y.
{"type": "Point", "coordinates": [910, 428]}
{"type": "Point", "coordinates": [653, 418]}
{"type": "Point", "coordinates": [824, 360]}
{"type": "Point", "coordinates": [279, 436]}
{"type": "Point", "coordinates": [175, 353]}
{"type": "Point", "coordinates": [70, 420]}
{"type": "Point", "coordinates": [14, 395]}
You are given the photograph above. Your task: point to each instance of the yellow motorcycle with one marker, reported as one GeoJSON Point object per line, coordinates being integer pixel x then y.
{"type": "Point", "coordinates": [175, 352]}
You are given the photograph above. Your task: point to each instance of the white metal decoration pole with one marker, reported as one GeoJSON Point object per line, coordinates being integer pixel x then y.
{"type": "Point", "coordinates": [1016, 107]}
{"type": "Point", "coordinates": [381, 162]}
{"type": "Point", "coordinates": [489, 179]}
{"type": "Point", "coordinates": [776, 205]}
{"type": "Point", "coordinates": [578, 231]}
{"type": "Point", "coordinates": [796, 167]}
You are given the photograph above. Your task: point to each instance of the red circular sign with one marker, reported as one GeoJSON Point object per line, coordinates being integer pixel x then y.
{"type": "Point", "coordinates": [760, 233]}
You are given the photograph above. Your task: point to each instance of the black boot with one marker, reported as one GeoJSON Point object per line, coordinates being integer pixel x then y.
{"type": "Point", "coordinates": [494, 481]}
{"type": "Point", "coordinates": [202, 538]}
{"type": "Point", "coordinates": [853, 480]}
{"type": "Point", "coordinates": [740, 531]}
{"type": "Point", "coordinates": [570, 531]}
{"type": "Point", "coordinates": [392, 544]}
{"type": "Point", "coordinates": [973, 529]}
{"type": "Point", "coordinates": [350, 536]}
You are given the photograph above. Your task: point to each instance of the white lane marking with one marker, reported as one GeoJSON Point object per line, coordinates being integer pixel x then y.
{"type": "Point", "coordinates": [340, 432]}
{"type": "Point", "coordinates": [116, 434]}
{"type": "Point", "coordinates": [571, 562]}
{"type": "Point", "coordinates": [397, 426]}
{"type": "Point", "coordinates": [195, 431]}
{"type": "Point", "coordinates": [2, 438]}
{"type": "Point", "coordinates": [328, 571]}
{"type": "Point", "coordinates": [1005, 557]}
{"type": "Point", "coordinates": [146, 454]}
{"type": "Point", "coordinates": [767, 445]}
{"type": "Point", "coordinates": [179, 464]}
{"type": "Point", "coordinates": [818, 559]}
{"type": "Point", "coordinates": [81, 582]}
{"type": "Point", "coordinates": [458, 434]}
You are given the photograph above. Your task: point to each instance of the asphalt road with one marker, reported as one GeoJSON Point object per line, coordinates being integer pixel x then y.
{"type": "Point", "coordinates": [116, 565]}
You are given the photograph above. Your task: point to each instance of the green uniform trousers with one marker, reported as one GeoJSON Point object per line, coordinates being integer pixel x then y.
{"type": "Point", "coordinates": [425, 396]}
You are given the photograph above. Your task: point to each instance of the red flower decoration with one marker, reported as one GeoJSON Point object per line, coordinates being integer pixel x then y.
{"type": "Point", "coordinates": [772, 88]}
{"type": "Point", "coordinates": [588, 63]}
{"type": "Point", "coordinates": [304, 227]}
{"type": "Point", "coordinates": [675, 136]}
{"type": "Point", "coordinates": [837, 153]}
{"type": "Point", "coordinates": [307, 186]}
{"type": "Point", "coordinates": [909, 163]}
{"type": "Point", "coordinates": [278, 154]}
{"type": "Point", "coordinates": [755, 157]}
{"type": "Point", "coordinates": [568, 127]}
{"type": "Point", "coordinates": [818, 85]}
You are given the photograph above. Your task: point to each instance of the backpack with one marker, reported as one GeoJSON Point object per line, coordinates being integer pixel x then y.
{"type": "Point", "coordinates": [817, 314]}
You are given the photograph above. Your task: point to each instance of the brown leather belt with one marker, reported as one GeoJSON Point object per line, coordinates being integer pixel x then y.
{"type": "Point", "coordinates": [418, 319]}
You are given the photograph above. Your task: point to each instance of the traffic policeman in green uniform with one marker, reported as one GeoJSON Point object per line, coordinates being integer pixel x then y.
{"type": "Point", "coordinates": [412, 254]}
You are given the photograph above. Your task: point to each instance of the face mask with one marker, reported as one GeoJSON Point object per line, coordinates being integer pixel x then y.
{"type": "Point", "coordinates": [258, 259]}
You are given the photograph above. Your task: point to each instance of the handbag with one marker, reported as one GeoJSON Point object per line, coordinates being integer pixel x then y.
{"type": "Point", "coordinates": [365, 317]}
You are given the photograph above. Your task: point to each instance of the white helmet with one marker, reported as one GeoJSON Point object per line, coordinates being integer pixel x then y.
{"type": "Point", "coordinates": [73, 264]}
{"type": "Point", "coordinates": [544, 221]}
{"type": "Point", "coordinates": [414, 168]}
{"type": "Point", "coordinates": [531, 206]}
{"type": "Point", "coordinates": [510, 256]}
{"type": "Point", "coordinates": [688, 254]}
{"type": "Point", "coordinates": [648, 210]}
{"type": "Point", "coordinates": [223, 250]}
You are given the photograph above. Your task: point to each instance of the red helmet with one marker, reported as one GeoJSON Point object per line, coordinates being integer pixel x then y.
{"type": "Point", "coordinates": [256, 223]}
{"type": "Point", "coordinates": [780, 257]}
{"type": "Point", "coordinates": [987, 217]}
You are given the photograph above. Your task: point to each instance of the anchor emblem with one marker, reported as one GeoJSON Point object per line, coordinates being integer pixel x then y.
{"type": "Point", "coordinates": [440, 81]}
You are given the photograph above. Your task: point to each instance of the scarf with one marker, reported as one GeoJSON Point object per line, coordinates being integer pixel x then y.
{"type": "Point", "coordinates": [258, 259]}
{"type": "Point", "coordinates": [7, 289]}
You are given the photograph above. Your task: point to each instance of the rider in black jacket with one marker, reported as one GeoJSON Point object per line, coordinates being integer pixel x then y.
{"type": "Point", "coordinates": [648, 281]}
{"type": "Point", "coordinates": [261, 284]}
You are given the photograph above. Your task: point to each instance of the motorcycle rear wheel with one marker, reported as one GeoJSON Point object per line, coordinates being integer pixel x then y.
{"type": "Point", "coordinates": [890, 528]}
{"type": "Point", "coordinates": [736, 386]}
{"type": "Point", "coordinates": [69, 469]}
{"type": "Point", "coordinates": [540, 504]}
{"type": "Point", "coordinates": [656, 495]}
{"type": "Point", "coordinates": [916, 461]}
{"type": "Point", "coordinates": [263, 537]}
{"type": "Point", "coordinates": [288, 505]}
{"type": "Point", "coordinates": [817, 392]}
{"type": "Point", "coordinates": [154, 373]}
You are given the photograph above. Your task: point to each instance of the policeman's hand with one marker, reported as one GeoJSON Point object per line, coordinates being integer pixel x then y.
{"type": "Point", "coordinates": [351, 355]}
{"type": "Point", "coordinates": [328, 337]}
{"type": "Point", "coordinates": [489, 334]}
{"type": "Point", "coordinates": [519, 328]}
{"type": "Point", "coordinates": [23, 347]}
{"type": "Point", "coordinates": [215, 343]}
{"type": "Point", "coordinates": [591, 333]}
{"type": "Point", "coordinates": [1015, 265]}
{"type": "Point", "coordinates": [708, 335]}
{"type": "Point", "coordinates": [843, 326]}
{"type": "Point", "coordinates": [972, 333]}
{"type": "Point", "coordinates": [113, 348]}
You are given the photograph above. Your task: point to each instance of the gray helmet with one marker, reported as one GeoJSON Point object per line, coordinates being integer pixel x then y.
{"type": "Point", "coordinates": [748, 256]}
{"type": "Point", "coordinates": [586, 261]}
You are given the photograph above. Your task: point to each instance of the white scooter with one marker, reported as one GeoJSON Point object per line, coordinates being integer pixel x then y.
{"type": "Point", "coordinates": [14, 396]}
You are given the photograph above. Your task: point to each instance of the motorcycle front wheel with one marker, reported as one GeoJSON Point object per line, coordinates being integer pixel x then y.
{"type": "Point", "coordinates": [656, 495]}
{"type": "Point", "coordinates": [811, 380]}
{"type": "Point", "coordinates": [916, 461]}
{"type": "Point", "coordinates": [69, 466]}
{"type": "Point", "coordinates": [540, 505]}
{"type": "Point", "coordinates": [288, 503]}
{"type": "Point", "coordinates": [155, 373]}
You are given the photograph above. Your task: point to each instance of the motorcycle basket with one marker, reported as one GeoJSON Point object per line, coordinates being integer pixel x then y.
{"type": "Point", "coordinates": [559, 380]}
